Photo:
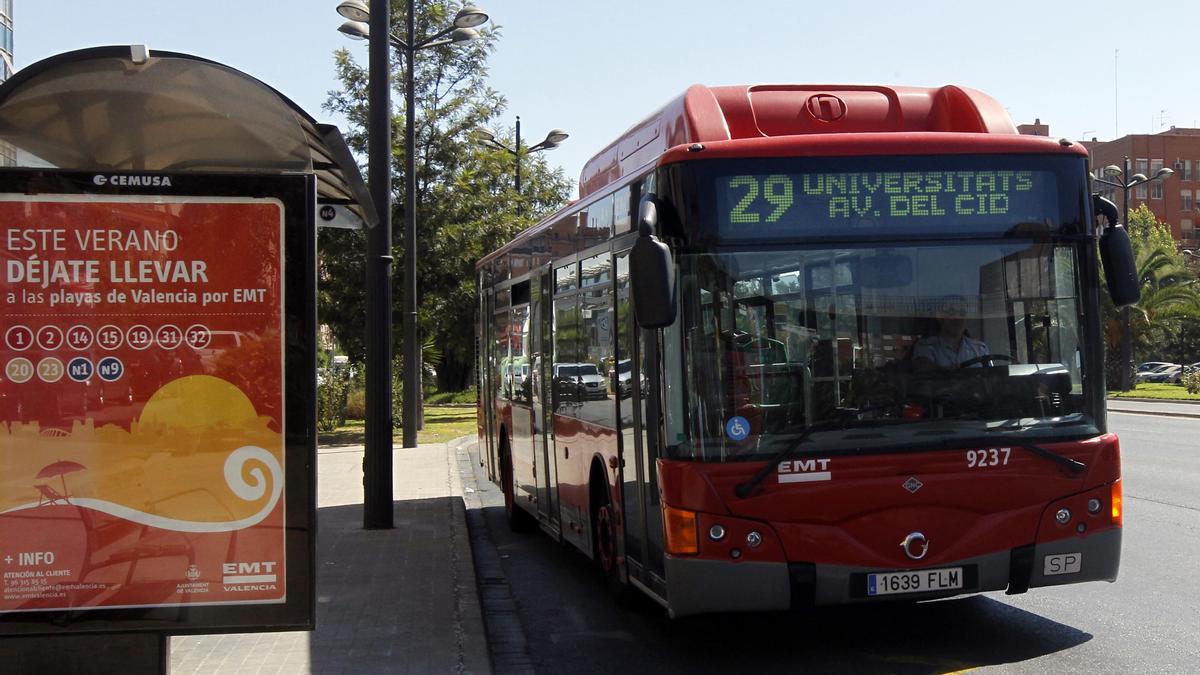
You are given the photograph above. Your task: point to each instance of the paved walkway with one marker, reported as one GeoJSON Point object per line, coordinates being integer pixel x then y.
{"type": "Point", "coordinates": [388, 601]}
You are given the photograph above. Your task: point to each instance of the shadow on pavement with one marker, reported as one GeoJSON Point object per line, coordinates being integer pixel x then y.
{"type": "Point", "coordinates": [387, 600]}
{"type": "Point", "coordinates": [573, 625]}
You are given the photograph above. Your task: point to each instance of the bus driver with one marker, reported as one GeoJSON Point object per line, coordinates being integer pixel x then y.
{"type": "Point", "coordinates": [951, 346]}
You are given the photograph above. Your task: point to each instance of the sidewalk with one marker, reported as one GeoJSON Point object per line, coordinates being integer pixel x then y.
{"type": "Point", "coordinates": [388, 601]}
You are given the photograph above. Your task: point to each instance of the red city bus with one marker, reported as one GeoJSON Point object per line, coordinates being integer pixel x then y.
{"type": "Point", "coordinates": [862, 361]}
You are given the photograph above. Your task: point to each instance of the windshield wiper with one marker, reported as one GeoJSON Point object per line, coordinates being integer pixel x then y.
{"type": "Point", "coordinates": [1073, 465]}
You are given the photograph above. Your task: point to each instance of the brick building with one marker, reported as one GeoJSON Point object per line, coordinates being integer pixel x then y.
{"type": "Point", "coordinates": [1174, 200]}
{"type": "Point", "coordinates": [1035, 129]}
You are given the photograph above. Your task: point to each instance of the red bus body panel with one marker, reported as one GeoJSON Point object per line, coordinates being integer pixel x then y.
{"type": "Point", "coordinates": [862, 512]}
{"type": "Point", "coordinates": [820, 535]}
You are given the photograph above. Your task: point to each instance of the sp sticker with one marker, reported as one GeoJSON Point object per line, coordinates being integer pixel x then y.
{"type": "Point", "coordinates": [737, 428]}
{"type": "Point", "coordinates": [1063, 563]}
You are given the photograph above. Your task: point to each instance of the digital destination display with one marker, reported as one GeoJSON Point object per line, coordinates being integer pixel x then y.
{"type": "Point", "coordinates": [768, 205]}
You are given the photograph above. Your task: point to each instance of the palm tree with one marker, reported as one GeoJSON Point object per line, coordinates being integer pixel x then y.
{"type": "Point", "coordinates": [1170, 294]}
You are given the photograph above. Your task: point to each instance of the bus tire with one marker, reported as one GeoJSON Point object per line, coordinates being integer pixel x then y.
{"type": "Point", "coordinates": [604, 538]}
{"type": "Point", "coordinates": [518, 518]}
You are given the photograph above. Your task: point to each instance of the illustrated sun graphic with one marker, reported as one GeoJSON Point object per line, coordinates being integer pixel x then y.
{"type": "Point", "coordinates": [196, 403]}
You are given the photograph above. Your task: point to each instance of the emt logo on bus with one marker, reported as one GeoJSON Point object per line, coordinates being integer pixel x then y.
{"type": "Point", "coordinates": [804, 470]}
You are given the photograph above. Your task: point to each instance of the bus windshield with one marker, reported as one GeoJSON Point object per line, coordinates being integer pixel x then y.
{"type": "Point", "coordinates": [927, 345]}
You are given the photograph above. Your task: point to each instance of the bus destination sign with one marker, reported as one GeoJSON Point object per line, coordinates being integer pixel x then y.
{"type": "Point", "coordinates": [766, 205]}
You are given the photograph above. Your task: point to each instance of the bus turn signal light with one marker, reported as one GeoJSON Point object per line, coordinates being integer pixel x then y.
{"type": "Point", "coordinates": [680, 526]}
{"type": "Point", "coordinates": [1116, 503]}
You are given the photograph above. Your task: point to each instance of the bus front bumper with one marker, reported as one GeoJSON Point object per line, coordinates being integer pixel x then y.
{"type": "Point", "coordinates": [699, 586]}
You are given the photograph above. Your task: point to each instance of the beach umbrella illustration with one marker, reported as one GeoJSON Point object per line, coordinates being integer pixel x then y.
{"type": "Point", "coordinates": [61, 468]}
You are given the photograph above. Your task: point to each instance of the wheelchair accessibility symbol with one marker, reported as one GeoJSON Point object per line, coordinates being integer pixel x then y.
{"type": "Point", "coordinates": [737, 428]}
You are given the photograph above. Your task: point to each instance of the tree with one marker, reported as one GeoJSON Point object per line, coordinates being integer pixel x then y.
{"type": "Point", "coordinates": [1170, 301]}
{"type": "Point", "coordinates": [466, 205]}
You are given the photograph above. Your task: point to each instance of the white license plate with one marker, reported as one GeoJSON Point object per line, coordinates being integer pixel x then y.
{"type": "Point", "coordinates": [918, 581]}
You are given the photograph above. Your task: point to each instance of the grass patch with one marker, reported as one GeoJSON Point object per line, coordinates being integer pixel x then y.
{"type": "Point", "coordinates": [1164, 391]}
{"type": "Point", "coordinates": [452, 398]}
{"type": "Point", "coordinates": [441, 424]}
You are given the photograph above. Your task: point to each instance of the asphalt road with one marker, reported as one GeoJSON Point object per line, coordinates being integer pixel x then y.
{"type": "Point", "coordinates": [1148, 621]}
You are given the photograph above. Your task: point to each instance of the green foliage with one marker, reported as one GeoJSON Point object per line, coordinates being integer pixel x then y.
{"type": "Point", "coordinates": [1191, 382]}
{"type": "Point", "coordinates": [1170, 302]}
{"type": "Point", "coordinates": [356, 404]}
{"type": "Point", "coordinates": [332, 388]}
{"type": "Point", "coordinates": [466, 204]}
{"type": "Point", "coordinates": [467, 397]}
{"type": "Point", "coordinates": [431, 357]}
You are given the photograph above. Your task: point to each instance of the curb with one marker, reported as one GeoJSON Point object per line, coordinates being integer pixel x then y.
{"type": "Point", "coordinates": [506, 643]}
{"type": "Point", "coordinates": [1158, 413]}
{"type": "Point", "coordinates": [1152, 400]}
{"type": "Point", "coordinates": [471, 629]}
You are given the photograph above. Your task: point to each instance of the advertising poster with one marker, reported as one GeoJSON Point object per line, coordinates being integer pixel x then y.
{"type": "Point", "coordinates": [141, 402]}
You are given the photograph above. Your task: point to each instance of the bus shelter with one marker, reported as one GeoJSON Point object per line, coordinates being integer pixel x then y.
{"type": "Point", "coordinates": [158, 216]}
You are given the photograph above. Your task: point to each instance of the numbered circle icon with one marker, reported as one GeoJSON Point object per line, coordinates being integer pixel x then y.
{"type": "Point", "coordinates": [18, 338]}
{"type": "Point", "coordinates": [79, 337]}
{"type": "Point", "coordinates": [50, 369]}
{"type": "Point", "coordinates": [139, 337]}
{"type": "Point", "coordinates": [110, 337]}
{"type": "Point", "coordinates": [49, 338]}
{"type": "Point", "coordinates": [80, 369]}
{"type": "Point", "coordinates": [198, 336]}
{"type": "Point", "coordinates": [19, 370]}
{"type": "Point", "coordinates": [168, 336]}
{"type": "Point", "coordinates": [110, 369]}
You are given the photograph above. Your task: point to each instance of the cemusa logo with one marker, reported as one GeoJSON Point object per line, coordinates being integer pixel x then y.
{"type": "Point", "coordinates": [132, 181]}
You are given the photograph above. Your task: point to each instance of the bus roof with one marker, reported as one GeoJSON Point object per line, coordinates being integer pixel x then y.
{"type": "Point", "coordinates": [707, 114]}
{"type": "Point", "coordinates": [803, 120]}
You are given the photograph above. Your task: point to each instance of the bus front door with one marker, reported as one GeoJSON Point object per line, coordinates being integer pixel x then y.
{"type": "Point", "coordinates": [643, 549]}
{"type": "Point", "coordinates": [541, 363]}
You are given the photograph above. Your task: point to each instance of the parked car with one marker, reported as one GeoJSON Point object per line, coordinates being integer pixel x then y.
{"type": "Point", "coordinates": [1168, 373]}
{"type": "Point", "coordinates": [1152, 365]}
{"type": "Point", "coordinates": [578, 382]}
{"type": "Point", "coordinates": [591, 382]}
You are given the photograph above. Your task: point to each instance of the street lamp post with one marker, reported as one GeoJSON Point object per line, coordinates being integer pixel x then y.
{"type": "Point", "coordinates": [552, 140]}
{"type": "Point", "coordinates": [1127, 183]}
{"type": "Point", "coordinates": [377, 462]}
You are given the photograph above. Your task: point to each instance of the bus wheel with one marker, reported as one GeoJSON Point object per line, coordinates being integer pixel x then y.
{"type": "Point", "coordinates": [606, 545]}
{"type": "Point", "coordinates": [604, 542]}
{"type": "Point", "coordinates": [518, 519]}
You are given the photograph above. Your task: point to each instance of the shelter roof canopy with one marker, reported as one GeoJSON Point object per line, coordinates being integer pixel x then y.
{"type": "Point", "coordinates": [107, 109]}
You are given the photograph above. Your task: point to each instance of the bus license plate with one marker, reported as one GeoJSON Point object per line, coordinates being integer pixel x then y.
{"type": "Point", "coordinates": [920, 581]}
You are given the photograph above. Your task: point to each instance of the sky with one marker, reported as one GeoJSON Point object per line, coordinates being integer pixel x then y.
{"type": "Point", "coordinates": [595, 69]}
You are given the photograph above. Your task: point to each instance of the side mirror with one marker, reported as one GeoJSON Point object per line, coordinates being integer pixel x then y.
{"type": "Point", "coordinates": [1116, 254]}
{"type": "Point", "coordinates": [652, 272]}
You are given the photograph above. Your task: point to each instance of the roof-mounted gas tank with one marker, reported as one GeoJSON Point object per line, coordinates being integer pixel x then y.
{"type": "Point", "coordinates": [704, 114]}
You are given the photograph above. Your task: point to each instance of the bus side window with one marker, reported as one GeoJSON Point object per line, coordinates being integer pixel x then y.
{"type": "Point", "coordinates": [596, 340]}
{"type": "Point", "coordinates": [566, 340]}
